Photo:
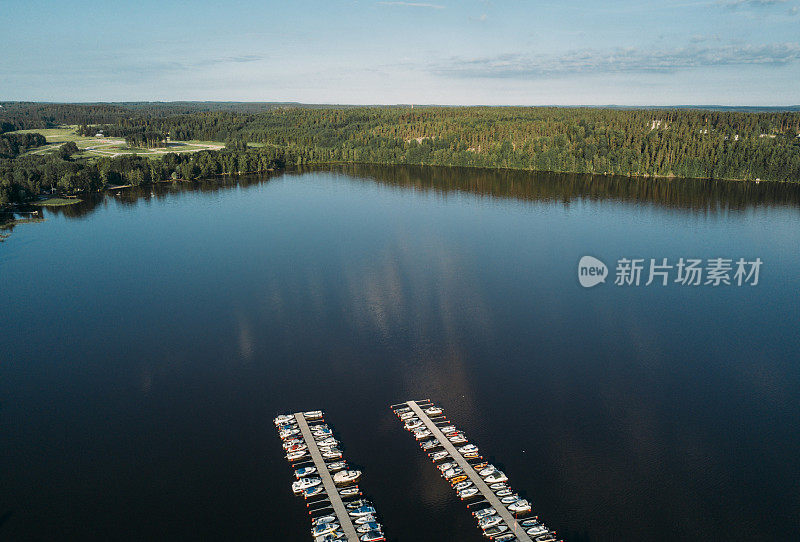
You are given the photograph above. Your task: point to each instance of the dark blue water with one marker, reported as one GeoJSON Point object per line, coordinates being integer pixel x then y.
{"type": "Point", "coordinates": [148, 340]}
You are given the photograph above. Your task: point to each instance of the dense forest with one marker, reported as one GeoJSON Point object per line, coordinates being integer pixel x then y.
{"type": "Point", "coordinates": [630, 142]}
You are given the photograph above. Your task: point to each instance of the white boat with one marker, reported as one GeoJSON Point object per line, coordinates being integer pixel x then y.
{"type": "Point", "coordinates": [296, 448]}
{"type": "Point", "coordinates": [333, 454]}
{"type": "Point", "coordinates": [323, 519]}
{"type": "Point", "coordinates": [284, 418]}
{"type": "Point", "coordinates": [508, 537]}
{"type": "Point", "coordinates": [324, 528]}
{"type": "Point", "coordinates": [497, 486]}
{"type": "Point", "coordinates": [327, 441]}
{"type": "Point", "coordinates": [286, 433]}
{"type": "Point", "coordinates": [305, 483]}
{"type": "Point", "coordinates": [469, 448]}
{"type": "Point", "coordinates": [346, 476]}
{"type": "Point", "coordinates": [364, 519]}
{"type": "Point", "coordinates": [484, 512]}
{"type": "Point", "coordinates": [428, 444]}
{"type": "Point", "coordinates": [288, 443]}
{"type": "Point", "coordinates": [458, 438]}
{"type": "Point", "coordinates": [448, 465]}
{"type": "Point", "coordinates": [294, 456]}
{"type": "Point", "coordinates": [368, 526]}
{"type": "Point", "coordinates": [438, 456]}
{"type": "Point", "coordinates": [312, 415]}
{"type": "Point", "coordinates": [373, 536]}
{"type": "Point", "coordinates": [402, 410]}
{"type": "Point", "coordinates": [452, 473]}
{"type": "Point", "coordinates": [362, 511]}
{"type": "Point", "coordinates": [520, 506]}
{"type": "Point", "coordinates": [487, 470]}
{"type": "Point", "coordinates": [351, 491]}
{"type": "Point", "coordinates": [433, 411]}
{"type": "Point", "coordinates": [413, 424]}
{"type": "Point", "coordinates": [509, 499]}
{"type": "Point", "coordinates": [312, 491]}
{"type": "Point", "coordinates": [489, 521]}
{"type": "Point", "coordinates": [496, 476]}
{"type": "Point", "coordinates": [497, 530]}
{"type": "Point", "coordinates": [471, 455]}
{"type": "Point", "coordinates": [462, 485]}
{"type": "Point", "coordinates": [468, 493]}
{"type": "Point", "coordinates": [407, 415]}
{"type": "Point", "coordinates": [448, 429]}
{"type": "Point", "coordinates": [537, 530]}
{"type": "Point", "coordinates": [419, 435]}
{"type": "Point", "coordinates": [337, 466]}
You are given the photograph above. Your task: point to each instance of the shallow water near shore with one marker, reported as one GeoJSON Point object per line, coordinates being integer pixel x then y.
{"type": "Point", "coordinates": [149, 337]}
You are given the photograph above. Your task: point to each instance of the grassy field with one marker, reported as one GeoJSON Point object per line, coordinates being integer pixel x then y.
{"type": "Point", "coordinates": [108, 146]}
{"type": "Point", "coordinates": [57, 202]}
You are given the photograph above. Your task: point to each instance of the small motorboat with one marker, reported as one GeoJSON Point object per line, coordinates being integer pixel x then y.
{"type": "Point", "coordinates": [346, 476]}
{"type": "Point", "coordinates": [448, 429]}
{"type": "Point", "coordinates": [413, 423]}
{"type": "Point", "coordinates": [372, 536]}
{"type": "Point", "coordinates": [447, 465]}
{"type": "Point", "coordinates": [407, 415]}
{"type": "Point", "coordinates": [551, 537]}
{"type": "Point", "coordinates": [368, 526]}
{"type": "Point", "coordinates": [433, 411]}
{"type": "Point", "coordinates": [337, 466]}
{"type": "Point", "coordinates": [462, 485]}
{"type": "Point", "coordinates": [333, 454]}
{"type": "Point", "coordinates": [498, 486]}
{"type": "Point", "coordinates": [520, 505]}
{"type": "Point", "coordinates": [288, 443]}
{"type": "Point", "coordinates": [471, 455]}
{"type": "Point", "coordinates": [497, 530]}
{"type": "Point", "coordinates": [422, 434]}
{"type": "Point", "coordinates": [331, 537]}
{"type": "Point", "coordinates": [313, 415]}
{"type": "Point", "coordinates": [324, 528]}
{"type": "Point", "coordinates": [458, 438]}
{"type": "Point", "coordinates": [349, 491]}
{"type": "Point", "coordinates": [503, 492]}
{"type": "Point", "coordinates": [323, 519]}
{"type": "Point", "coordinates": [402, 410]}
{"type": "Point", "coordinates": [468, 493]}
{"type": "Point", "coordinates": [327, 441]}
{"type": "Point", "coordinates": [530, 522]}
{"type": "Point", "coordinates": [296, 448]}
{"type": "Point", "coordinates": [364, 519]}
{"type": "Point", "coordinates": [294, 456]}
{"type": "Point", "coordinates": [489, 521]}
{"type": "Point", "coordinates": [352, 505]}
{"type": "Point", "coordinates": [438, 456]}
{"type": "Point", "coordinates": [469, 448]}
{"type": "Point", "coordinates": [537, 530]}
{"type": "Point", "coordinates": [484, 512]}
{"type": "Point", "coordinates": [480, 466]}
{"type": "Point", "coordinates": [428, 444]}
{"type": "Point", "coordinates": [509, 499]}
{"type": "Point", "coordinates": [284, 419]}
{"type": "Point", "coordinates": [486, 471]}
{"type": "Point", "coordinates": [455, 471]}
{"type": "Point", "coordinates": [305, 483]}
{"type": "Point", "coordinates": [312, 491]}
{"type": "Point", "coordinates": [496, 476]}
{"type": "Point", "coordinates": [286, 433]}
{"type": "Point", "coordinates": [459, 478]}
{"type": "Point", "coordinates": [508, 537]}
{"type": "Point", "coordinates": [362, 511]}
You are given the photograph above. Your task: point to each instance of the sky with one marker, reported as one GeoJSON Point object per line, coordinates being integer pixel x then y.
{"type": "Point", "coordinates": [495, 52]}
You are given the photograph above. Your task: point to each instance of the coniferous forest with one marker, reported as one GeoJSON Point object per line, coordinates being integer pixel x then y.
{"type": "Point", "coordinates": [684, 142]}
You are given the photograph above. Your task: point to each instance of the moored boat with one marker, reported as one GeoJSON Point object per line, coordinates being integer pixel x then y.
{"type": "Point", "coordinates": [519, 506]}
{"type": "Point", "coordinates": [346, 476]}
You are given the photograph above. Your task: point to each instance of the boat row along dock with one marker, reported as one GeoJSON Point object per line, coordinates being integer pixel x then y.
{"type": "Point", "coordinates": [340, 512]}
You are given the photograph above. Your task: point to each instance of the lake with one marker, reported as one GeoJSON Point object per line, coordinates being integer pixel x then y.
{"type": "Point", "coordinates": [149, 338]}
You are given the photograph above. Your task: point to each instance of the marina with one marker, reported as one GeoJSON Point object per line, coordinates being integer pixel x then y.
{"type": "Point", "coordinates": [501, 513]}
{"type": "Point", "coordinates": [326, 482]}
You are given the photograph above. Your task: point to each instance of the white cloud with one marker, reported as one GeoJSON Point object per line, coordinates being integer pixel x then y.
{"type": "Point", "coordinates": [618, 61]}
{"type": "Point", "coordinates": [412, 5]}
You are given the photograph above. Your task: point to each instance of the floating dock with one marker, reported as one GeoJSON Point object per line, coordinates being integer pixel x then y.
{"type": "Point", "coordinates": [337, 504]}
{"type": "Point", "coordinates": [338, 511]}
{"type": "Point", "coordinates": [516, 531]}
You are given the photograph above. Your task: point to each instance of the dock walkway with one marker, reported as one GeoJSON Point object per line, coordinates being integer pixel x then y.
{"type": "Point", "coordinates": [327, 480]}
{"type": "Point", "coordinates": [487, 493]}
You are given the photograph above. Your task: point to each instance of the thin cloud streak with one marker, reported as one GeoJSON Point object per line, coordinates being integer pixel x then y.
{"type": "Point", "coordinates": [412, 5]}
{"type": "Point", "coordinates": [618, 61]}
{"type": "Point", "coordinates": [733, 4]}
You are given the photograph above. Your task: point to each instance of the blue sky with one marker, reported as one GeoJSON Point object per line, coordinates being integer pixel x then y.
{"type": "Point", "coordinates": [729, 52]}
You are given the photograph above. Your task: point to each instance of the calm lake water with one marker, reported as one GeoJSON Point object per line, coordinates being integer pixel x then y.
{"type": "Point", "coordinates": [147, 342]}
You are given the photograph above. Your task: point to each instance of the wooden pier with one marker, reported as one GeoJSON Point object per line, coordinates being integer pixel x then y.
{"type": "Point", "coordinates": [327, 480]}
{"type": "Point", "coordinates": [514, 527]}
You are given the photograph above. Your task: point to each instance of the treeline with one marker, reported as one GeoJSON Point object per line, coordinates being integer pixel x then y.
{"type": "Point", "coordinates": [12, 145]}
{"type": "Point", "coordinates": [29, 176]}
{"type": "Point", "coordinates": [652, 142]}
